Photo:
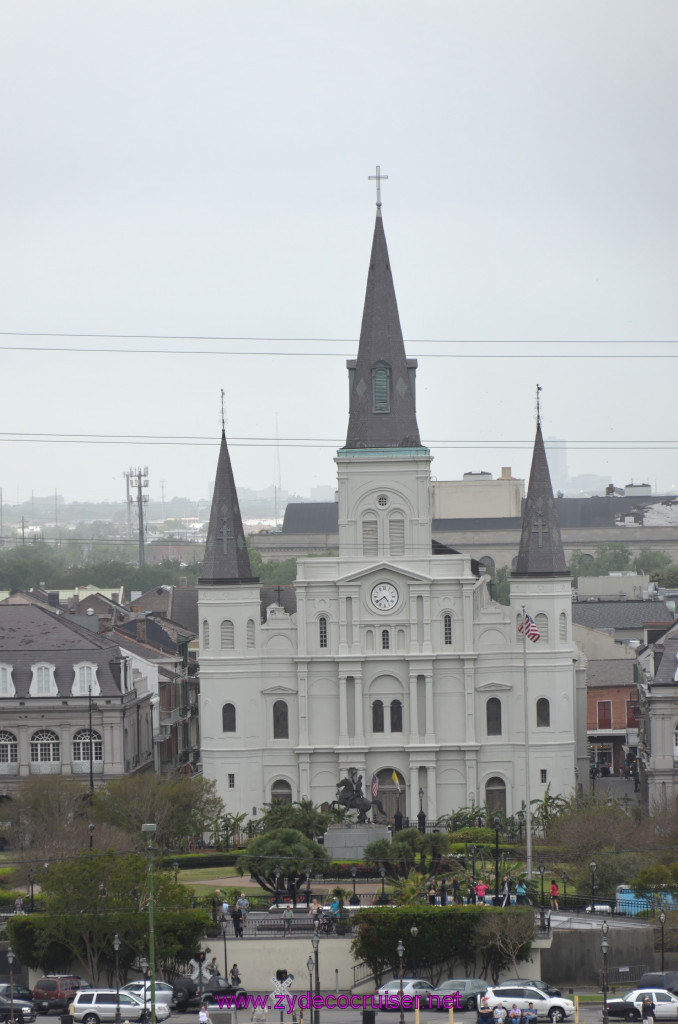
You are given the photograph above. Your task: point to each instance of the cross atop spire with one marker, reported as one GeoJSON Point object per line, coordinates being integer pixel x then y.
{"type": "Point", "coordinates": [539, 388]}
{"type": "Point", "coordinates": [378, 177]}
{"type": "Point", "coordinates": [223, 417]}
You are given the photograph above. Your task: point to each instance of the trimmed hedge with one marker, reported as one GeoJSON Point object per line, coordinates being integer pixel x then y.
{"type": "Point", "coordinates": [209, 859]}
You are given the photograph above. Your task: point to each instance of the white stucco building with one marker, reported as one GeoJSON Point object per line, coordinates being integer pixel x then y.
{"type": "Point", "coordinates": [395, 658]}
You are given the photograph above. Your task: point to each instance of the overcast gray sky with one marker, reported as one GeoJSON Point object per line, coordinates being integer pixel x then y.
{"type": "Point", "coordinates": [200, 169]}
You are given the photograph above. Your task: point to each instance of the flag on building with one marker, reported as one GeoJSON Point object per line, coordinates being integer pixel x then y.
{"type": "Point", "coordinates": [529, 627]}
{"type": "Point", "coordinates": [375, 787]}
{"type": "Point", "coordinates": [395, 779]}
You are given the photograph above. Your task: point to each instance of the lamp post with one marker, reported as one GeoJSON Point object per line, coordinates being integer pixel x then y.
{"type": "Point", "coordinates": [421, 817]}
{"type": "Point", "coordinates": [383, 899]}
{"type": "Point", "coordinates": [496, 824]}
{"type": "Point", "coordinates": [542, 916]}
{"type": "Point", "coordinates": [604, 948]}
{"type": "Point", "coordinates": [277, 873]}
{"type": "Point", "coordinates": [31, 877]}
{"type": "Point", "coordinates": [355, 899]}
{"type": "Point", "coordinates": [116, 947]}
{"type": "Point", "coordinates": [149, 828]}
{"type": "Point", "coordinates": [521, 818]}
{"type": "Point", "coordinates": [90, 829]}
{"type": "Point", "coordinates": [662, 921]}
{"type": "Point", "coordinates": [309, 968]}
{"type": "Point", "coordinates": [143, 964]}
{"type": "Point", "coordinates": [308, 886]}
{"type": "Point", "coordinates": [592, 869]}
{"type": "Point", "coordinates": [473, 849]}
{"type": "Point", "coordinates": [565, 879]}
{"type": "Point", "coordinates": [414, 931]}
{"type": "Point", "coordinates": [224, 925]}
{"type": "Point", "coordinates": [315, 942]}
{"type": "Point", "coordinates": [175, 869]}
{"type": "Point", "coordinates": [10, 960]}
{"type": "Point", "coordinates": [400, 949]}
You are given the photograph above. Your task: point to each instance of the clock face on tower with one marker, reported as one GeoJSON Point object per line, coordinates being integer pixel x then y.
{"type": "Point", "coordinates": [384, 596]}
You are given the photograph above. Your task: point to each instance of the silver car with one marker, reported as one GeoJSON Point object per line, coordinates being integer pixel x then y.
{"type": "Point", "coordinates": [163, 991]}
{"type": "Point", "coordinates": [98, 1006]}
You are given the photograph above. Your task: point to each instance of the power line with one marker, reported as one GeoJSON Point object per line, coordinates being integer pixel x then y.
{"type": "Point", "coordinates": [344, 355]}
{"type": "Point", "coordinates": [335, 341]}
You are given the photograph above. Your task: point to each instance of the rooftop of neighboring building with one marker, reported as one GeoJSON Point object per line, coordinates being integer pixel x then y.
{"type": "Point", "coordinates": [620, 614]}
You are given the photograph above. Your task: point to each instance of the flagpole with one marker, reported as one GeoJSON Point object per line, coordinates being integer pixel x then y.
{"type": "Point", "coordinates": [528, 809]}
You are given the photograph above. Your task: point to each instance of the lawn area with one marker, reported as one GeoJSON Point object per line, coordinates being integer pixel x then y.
{"type": "Point", "coordinates": [200, 874]}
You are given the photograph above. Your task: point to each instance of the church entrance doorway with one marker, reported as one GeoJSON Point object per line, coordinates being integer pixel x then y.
{"type": "Point", "coordinates": [388, 793]}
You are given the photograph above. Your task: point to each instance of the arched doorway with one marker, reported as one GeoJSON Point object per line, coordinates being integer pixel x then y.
{"type": "Point", "coordinates": [388, 793]}
{"type": "Point", "coordinates": [281, 790]}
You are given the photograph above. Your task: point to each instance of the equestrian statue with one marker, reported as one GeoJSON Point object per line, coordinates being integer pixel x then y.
{"type": "Point", "coordinates": [350, 795]}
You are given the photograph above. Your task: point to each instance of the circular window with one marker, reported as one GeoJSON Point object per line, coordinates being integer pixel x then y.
{"type": "Point", "coordinates": [382, 500]}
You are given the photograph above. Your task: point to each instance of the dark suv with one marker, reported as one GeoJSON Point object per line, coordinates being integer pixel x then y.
{"type": "Point", "coordinates": [187, 994]}
{"type": "Point", "coordinates": [56, 991]}
{"type": "Point", "coordinates": [660, 979]}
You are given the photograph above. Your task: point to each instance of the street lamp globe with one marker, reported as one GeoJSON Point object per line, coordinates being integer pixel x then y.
{"type": "Point", "coordinates": [400, 949]}
{"type": "Point", "coordinates": [414, 931]}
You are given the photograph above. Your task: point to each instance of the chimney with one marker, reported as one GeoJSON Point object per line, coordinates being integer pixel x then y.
{"type": "Point", "coordinates": [141, 629]}
{"type": "Point", "coordinates": [506, 473]}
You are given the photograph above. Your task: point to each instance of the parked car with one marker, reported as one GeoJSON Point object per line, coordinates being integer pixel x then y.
{"type": "Point", "coordinates": [163, 991]}
{"type": "Point", "coordinates": [23, 1010]}
{"type": "Point", "coordinates": [469, 989]}
{"type": "Point", "coordinates": [20, 992]}
{"type": "Point", "coordinates": [56, 991]}
{"type": "Point", "coordinates": [186, 992]}
{"type": "Point", "coordinates": [389, 994]}
{"type": "Point", "coordinates": [555, 1008]}
{"type": "Point", "coordinates": [660, 979]}
{"type": "Point", "coordinates": [535, 983]}
{"type": "Point", "coordinates": [629, 1006]}
{"type": "Point", "coordinates": [99, 1006]}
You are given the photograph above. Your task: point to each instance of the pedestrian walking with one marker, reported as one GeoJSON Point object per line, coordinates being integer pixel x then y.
{"type": "Point", "coordinates": [555, 892]}
{"type": "Point", "coordinates": [288, 917]}
{"type": "Point", "coordinates": [236, 918]}
{"type": "Point", "coordinates": [234, 976]}
{"type": "Point", "coordinates": [506, 892]}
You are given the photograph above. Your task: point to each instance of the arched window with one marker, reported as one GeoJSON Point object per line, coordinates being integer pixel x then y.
{"type": "Point", "coordinates": [563, 627]}
{"type": "Point", "coordinates": [488, 562]}
{"type": "Point", "coordinates": [543, 713]}
{"type": "Point", "coordinates": [396, 535]}
{"type": "Point", "coordinates": [541, 621]}
{"type": "Point", "coordinates": [281, 728]}
{"type": "Point", "coordinates": [45, 746]}
{"type": "Point", "coordinates": [385, 640]}
{"type": "Point", "coordinates": [227, 635]}
{"type": "Point", "coordinates": [495, 795]}
{"type": "Point", "coordinates": [43, 683]}
{"type": "Point", "coordinates": [205, 634]}
{"type": "Point", "coordinates": [87, 746]}
{"type": "Point", "coordinates": [281, 790]}
{"type": "Point", "coordinates": [493, 715]}
{"type": "Point", "coordinates": [228, 718]}
{"type": "Point", "coordinates": [370, 535]}
{"type": "Point", "coordinates": [322, 631]}
{"type": "Point", "coordinates": [447, 629]}
{"type": "Point", "coordinates": [250, 632]}
{"type": "Point", "coordinates": [378, 716]}
{"type": "Point", "coordinates": [381, 388]}
{"type": "Point", "coordinates": [9, 748]}
{"type": "Point", "coordinates": [396, 716]}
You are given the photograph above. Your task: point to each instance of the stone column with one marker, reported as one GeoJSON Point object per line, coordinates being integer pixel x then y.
{"type": "Point", "coordinates": [343, 718]}
{"type": "Point", "coordinates": [414, 713]}
{"type": "Point", "coordinates": [430, 725]}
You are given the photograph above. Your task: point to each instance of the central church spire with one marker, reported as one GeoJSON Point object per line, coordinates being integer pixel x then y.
{"type": "Point", "coordinates": [382, 410]}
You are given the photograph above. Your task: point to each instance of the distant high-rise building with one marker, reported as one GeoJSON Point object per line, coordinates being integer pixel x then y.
{"type": "Point", "coordinates": [556, 451]}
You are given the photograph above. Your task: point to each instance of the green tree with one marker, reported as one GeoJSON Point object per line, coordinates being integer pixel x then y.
{"type": "Point", "coordinates": [272, 572]}
{"type": "Point", "coordinates": [653, 563]}
{"type": "Point", "coordinates": [179, 805]}
{"type": "Point", "coordinates": [286, 848]}
{"type": "Point", "coordinates": [303, 815]}
{"type": "Point", "coordinates": [90, 898]}
{"type": "Point", "coordinates": [501, 584]}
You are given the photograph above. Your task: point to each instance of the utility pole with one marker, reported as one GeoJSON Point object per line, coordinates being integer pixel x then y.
{"type": "Point", "coordinates": [138, 478]}
{"type": "Point", "coordinates": [23, 530]}
{"type": "Point", "coordinates": [162, 493]}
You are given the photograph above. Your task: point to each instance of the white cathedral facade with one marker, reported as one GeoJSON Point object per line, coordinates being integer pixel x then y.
{"type": "Point", "coordinates": [394, 660]}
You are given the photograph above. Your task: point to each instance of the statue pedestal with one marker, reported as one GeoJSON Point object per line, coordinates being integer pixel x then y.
{"type": "Point", "coordinates": [348, 841]}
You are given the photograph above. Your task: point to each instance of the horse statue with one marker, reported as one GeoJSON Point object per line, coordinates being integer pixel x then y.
{"type": "Point", "coordinates": [350, 795]}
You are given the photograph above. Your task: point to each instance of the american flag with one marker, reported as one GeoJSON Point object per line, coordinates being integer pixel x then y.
{"type": "Point", "coordinates": [375, 787]}
{"type": "Point", "coordinates": [530, 629]}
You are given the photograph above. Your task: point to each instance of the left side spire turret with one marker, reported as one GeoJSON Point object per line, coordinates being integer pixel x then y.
{"type": "Point", "coordinates": [227, 559]}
